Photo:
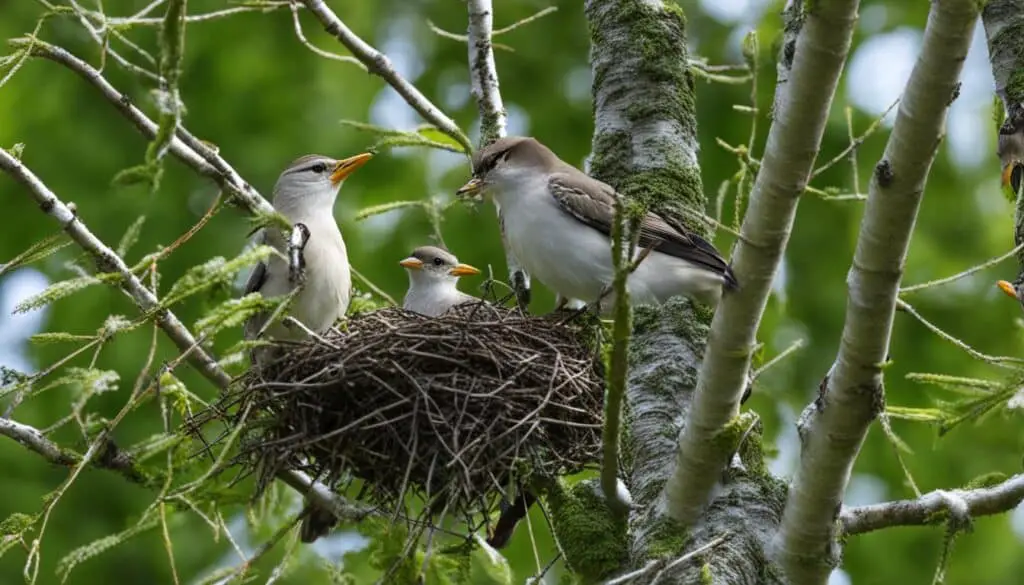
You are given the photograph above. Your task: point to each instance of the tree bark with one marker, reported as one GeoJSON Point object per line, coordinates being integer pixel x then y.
{"type": "Point", "coordinates": [645, 145]}
{"type": "Point", "coordinates": [835, 425]}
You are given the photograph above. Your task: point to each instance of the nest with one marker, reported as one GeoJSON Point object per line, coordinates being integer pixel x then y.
{"type": "Point", "coordinates": [452, 409]}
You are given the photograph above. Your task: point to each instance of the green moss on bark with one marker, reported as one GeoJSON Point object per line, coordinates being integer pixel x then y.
{"type": "Point", "coordinates": [591, 536]}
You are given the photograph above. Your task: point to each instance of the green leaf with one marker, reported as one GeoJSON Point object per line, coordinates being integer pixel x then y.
{"type": "Point", "coordinates": [37, 251]}
{"type": "Point", "coordinates": [386, 207]}
{"type": "Point", "coordinates": [232, 313]}
{"type": "Point", "coordinates": [16, 523]}
{"type": "Point", "coordinates": [114, 323]}
{"type": "Point", "coordinates": [928, 415]}
{"type": "Point", "coordinates": [487, 566]}
{"type": "Point", "coordinates": [98, 547]}
{"type": "Point", "coordinates": [61, 289]}
{"type": "Point", "coordinates": [212, 272]}
{"type": "Point", "coordinates": [155, 445]}
{"type": "Point", "coordinates": [145, 174]}
{"type": "Point", "coordinates": [434, 134]}
{"type": "Point", "coordinates": [58, 337]}
{"type": "Point", "coordinates": [87, 382]}
{"type": "Point", "coordinates": [427, 135]}
{"type": "Point", "coordinates": [131, 236]}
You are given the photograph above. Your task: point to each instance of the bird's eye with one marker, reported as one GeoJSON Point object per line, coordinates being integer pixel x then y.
{"type": "Point", "coordinates": [318, 168]}
{"type": "Point", "coordinates": [438, 262]}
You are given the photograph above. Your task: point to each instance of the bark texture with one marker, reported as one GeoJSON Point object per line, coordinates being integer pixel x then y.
{"type": "Point", "coordinates": [834, 426]}
{"type": "Point", "coordinates": [645, 145]}
{"type": "Point", "coordinates": [1004, 31]}
{"type": "Point", "coordinates": [802, 103]}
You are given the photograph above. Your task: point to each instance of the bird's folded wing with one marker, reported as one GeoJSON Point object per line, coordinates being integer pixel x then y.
{"type": "Point", "coordinates": [593, 203]}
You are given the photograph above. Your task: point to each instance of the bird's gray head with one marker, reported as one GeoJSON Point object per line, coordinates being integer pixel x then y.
{"type": "Point", "coordinates": [506, 162]}
{"type": "Point", "coordinates": [312, 181]}
{"type": "Point", "coordinates": [432, 265]}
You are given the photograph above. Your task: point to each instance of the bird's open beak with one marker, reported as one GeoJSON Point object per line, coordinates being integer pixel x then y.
{"type": "Point", "coordinates": [1007, 288]}
{"type": "Point", "coordinates": [412, 262]}
{"type": "Point", "coordinates": [346, 167]}
{"type": "Point", "coordinates": [471, 189]}
{"type": "Point", "coordinates": [463, 270]}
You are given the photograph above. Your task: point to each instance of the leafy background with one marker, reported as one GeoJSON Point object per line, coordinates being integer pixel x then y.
{"type": "Point", "coordinates": [264, 99]}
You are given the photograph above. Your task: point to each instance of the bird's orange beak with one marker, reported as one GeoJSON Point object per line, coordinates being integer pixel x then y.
{"type": "Point", "coordinates": [472, 188]}
{"type": "Point", "coordinates": [463, 270]}
{"type": "Point", "coordinates": [412, 262]}
{"type": "Point", "coordinates": [1007, 288]}
{"type": "Point", "coordinates": [346, 167]}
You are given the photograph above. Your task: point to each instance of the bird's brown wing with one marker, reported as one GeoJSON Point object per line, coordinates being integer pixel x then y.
{"type": "Point", "coordinates": [592, 202]}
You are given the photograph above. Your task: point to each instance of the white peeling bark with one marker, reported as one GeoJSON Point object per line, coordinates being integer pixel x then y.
{"type": "Point", "coordinates": [801, 112]}
{"type": "Point", "coordinates": [834, 427]}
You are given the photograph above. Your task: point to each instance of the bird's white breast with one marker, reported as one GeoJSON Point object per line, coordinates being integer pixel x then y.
{"type": "Point", "coordinates": [435, 299]}
{"type": "Point", "coordinates": [570, 258]}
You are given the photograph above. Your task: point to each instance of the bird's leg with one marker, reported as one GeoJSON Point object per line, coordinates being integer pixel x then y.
{"type": "Point", "coordinates": [296, 260]}
{"type": "Point", "coordinates": [522, 289]}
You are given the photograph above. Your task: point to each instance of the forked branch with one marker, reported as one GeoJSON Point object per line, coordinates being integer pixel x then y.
{"type": "Point", "coordinates": [803, 100]}
{"type": "Point", "coordinates": [834, 426]}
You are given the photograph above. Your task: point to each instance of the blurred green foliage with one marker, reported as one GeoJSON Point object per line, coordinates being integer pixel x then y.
{"type": "Point", "coordinates": [255, 91]}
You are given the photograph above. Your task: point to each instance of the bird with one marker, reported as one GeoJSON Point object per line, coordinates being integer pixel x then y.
{"type": "Point", "coordinates": [433, 276]}
{"type": "Point", "coordinates": [558, 224]}
{"type": "Point", "coordinates": [305, 194]}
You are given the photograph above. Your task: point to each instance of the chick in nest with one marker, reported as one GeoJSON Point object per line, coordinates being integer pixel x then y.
{"type": "Point", "coordinates": [433, 278]}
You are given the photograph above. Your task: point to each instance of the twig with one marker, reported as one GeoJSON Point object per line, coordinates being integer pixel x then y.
{"type": "Point", "coordinates": [666, 565]}
{"type": "Point", "coordinates": [964, 274]}
{"type": "Point", "coordinates": [378, 64]}
{"type": "Point", "coordinates": [923, 511]}
{"type": "Point", "coordinates": [186, 147]}
{"type": "Point", "coordinates": [326, 54]}
{"type": "Point", "coordinates": [992, 359]}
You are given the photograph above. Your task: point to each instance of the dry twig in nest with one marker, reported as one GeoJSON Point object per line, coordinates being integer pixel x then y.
{"type": "Point", "coordinates": [451, 409]}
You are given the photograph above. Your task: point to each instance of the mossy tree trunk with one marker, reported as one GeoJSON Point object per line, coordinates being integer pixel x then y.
{"type": "Point", "coordinates": [645, 145]}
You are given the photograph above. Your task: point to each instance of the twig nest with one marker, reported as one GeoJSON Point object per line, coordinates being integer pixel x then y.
{"type": "Point", "coordinates": [449, 408]}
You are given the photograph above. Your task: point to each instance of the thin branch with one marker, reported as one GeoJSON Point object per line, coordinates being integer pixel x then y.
{"type": "Point", "coordinates": [803, 99]}
{"type": "Point", "coordinates": [928, 508]}
{"type": "Point", "coordinates": [834, 427]}
{"type": "Point", "coordinates": [483, 73]}
{"type": "Point", "coordinates": [33, 439]}
{"type": "Point", "coordinates": [262, 7]}
{"type": "Point", "coordinates": [378, 64]}
{"type": "Point", "coordinates": [196, 154]}
{"type": "Point", "coordinates": [108, 261]}
{"type": "Point", "coordinates": [964, 274]}
{"type": "Point", "coordinates": [326, 54]}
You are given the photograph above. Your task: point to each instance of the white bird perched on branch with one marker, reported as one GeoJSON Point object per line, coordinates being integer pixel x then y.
{"type": "Point", "coordinates": [558, 224]}
{"type": "Point", "coordinates": [305, 194]}
{"type": "Point", "coordinates": [433, 276]}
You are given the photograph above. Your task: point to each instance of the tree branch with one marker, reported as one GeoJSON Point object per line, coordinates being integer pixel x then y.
{"type": "Point", "coordinates": [1004, 24]}
{"type": "Point", "coordinates": [190, 150]}
{"type": "Point", "coordinates": [483, 75]}
{"type": "Point", "coordinates": [928, 508]}
{"type": "Point", "coordinates": [803, 100]}
{"type": "Point", "coordinates": [833, 427]}
{"type": "Point", "coordinates": [108, 261]}
{"type": "Point", "coordinates": [645, 145]}
{"type": "Point", "coordinates": [378, 64]}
